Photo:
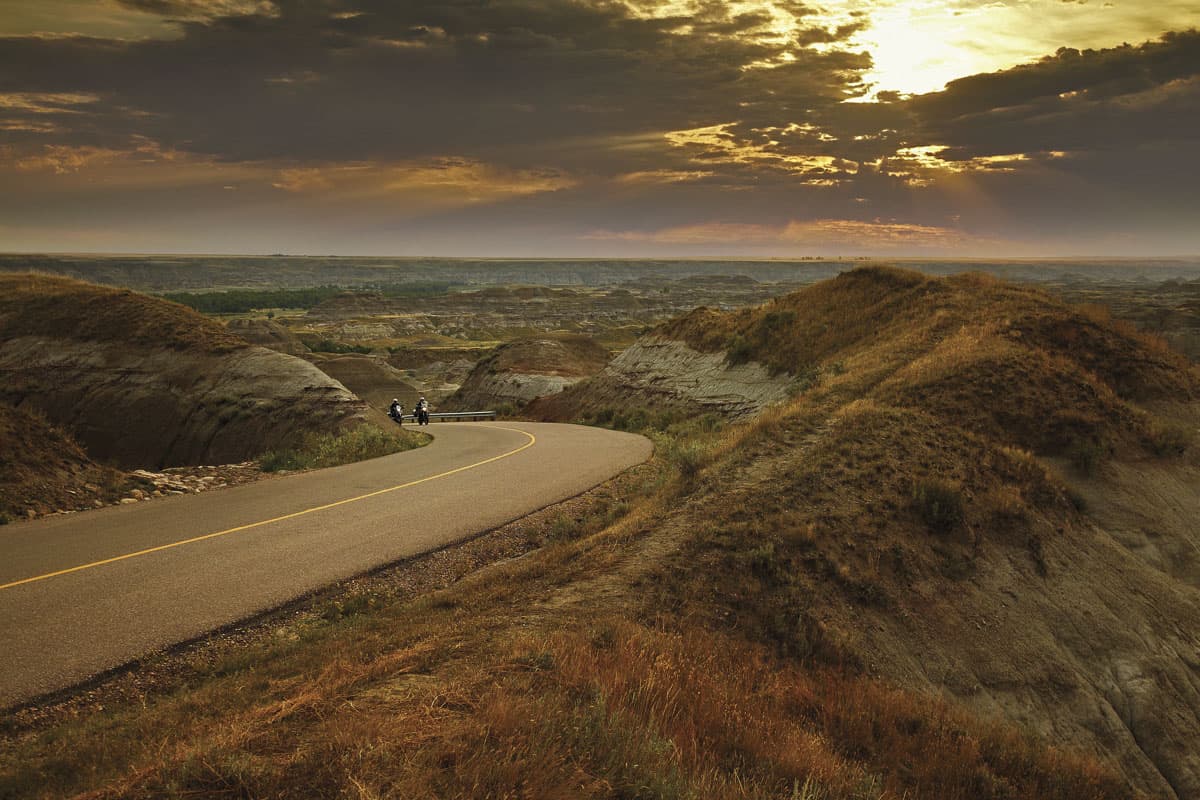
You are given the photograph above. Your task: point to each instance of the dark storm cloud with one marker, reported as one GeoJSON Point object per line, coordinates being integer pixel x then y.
{"type": "Point", "coordinates": [1128, 97]}
{"type": "Point", "coordinates": [378, 80]}
{"type": "Point", "coordinates": [1092, 105]}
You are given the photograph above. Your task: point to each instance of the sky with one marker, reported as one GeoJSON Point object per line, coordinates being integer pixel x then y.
{"type": "Point", "coordinates": [601, 128]}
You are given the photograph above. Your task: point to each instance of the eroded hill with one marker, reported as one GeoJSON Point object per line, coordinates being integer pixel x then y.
{"type": "Point", "coordinates": [147, 383]}
{"type": "Point", "coordinates": [900, 511]}
{"type": "Point", "coordinates": [520, 371]}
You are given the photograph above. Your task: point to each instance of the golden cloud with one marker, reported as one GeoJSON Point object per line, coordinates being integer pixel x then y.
{"type": "Point", "coordinates": [717, 144]}
{"type": "Point", "coordinates": [664, 176]}
{"type": "Point", "coordinates": [441, 182]}
{"type": "Point", "coordinates": [823, 233]}
{"type": "Point", "coordinates": [45, 102]}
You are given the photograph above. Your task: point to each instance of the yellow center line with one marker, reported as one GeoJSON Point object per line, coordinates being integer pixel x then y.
{"type": "Point", "coordinates": [293, 515]}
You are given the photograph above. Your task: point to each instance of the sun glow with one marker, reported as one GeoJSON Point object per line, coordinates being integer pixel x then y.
{"type": "Point", "coordinates": [920, 49]}
{"type": "Point", "coordinates": [918, 46]}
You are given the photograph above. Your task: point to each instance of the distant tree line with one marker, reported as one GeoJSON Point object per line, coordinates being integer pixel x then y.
{"type": "Point", "coordinates": [240, 301]}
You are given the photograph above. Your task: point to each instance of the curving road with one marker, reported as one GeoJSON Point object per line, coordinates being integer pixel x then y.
{"type": "Point", "coordinates": [84, 593]}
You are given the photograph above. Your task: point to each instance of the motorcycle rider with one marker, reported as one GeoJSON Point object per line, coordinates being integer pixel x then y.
{"type": "Point", "coordinates": [422, 411]}
{"type": "Point", "coordinates": [396, 411]}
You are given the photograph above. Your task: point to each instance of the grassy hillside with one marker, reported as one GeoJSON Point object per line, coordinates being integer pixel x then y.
{"type": "Point", "coordinates": [844, 598]}
{"type": "Point", "coordinates": [52, 306]}
{"type": "Point", "coordinates": [1011, 363]}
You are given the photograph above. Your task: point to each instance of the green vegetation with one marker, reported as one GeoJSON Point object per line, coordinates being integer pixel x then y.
{"type": "Point", "coordinates": [240, 301]}
{"type": "Point", "coordinates": [1086, 455]}
{"type": "Point", "coordinates": [316, 451]}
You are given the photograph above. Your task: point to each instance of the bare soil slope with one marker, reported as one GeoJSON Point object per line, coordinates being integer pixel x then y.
{"type": "Point", "coordinates": [43, 469]}
{"type": "Point", "coordinates": [370, 377]}
{"type": "Point", "coordinates": [148, 383]}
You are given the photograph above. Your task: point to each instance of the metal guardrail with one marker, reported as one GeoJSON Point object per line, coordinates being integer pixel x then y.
{"type": "Point", "coordinates": [453, 415]}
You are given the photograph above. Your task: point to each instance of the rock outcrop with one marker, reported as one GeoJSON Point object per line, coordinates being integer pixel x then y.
{"type": "Point", "coordinates": [662, 369]}
{"type": "Point", "coordinates": [146, 383]}
{"type": "Point", "coordinates": [661, 372]}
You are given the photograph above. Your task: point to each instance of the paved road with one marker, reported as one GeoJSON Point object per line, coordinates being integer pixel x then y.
{"type": "Point", "coordinates": [111, 585]}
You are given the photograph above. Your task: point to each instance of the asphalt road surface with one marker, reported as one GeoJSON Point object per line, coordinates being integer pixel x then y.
{"type": "Point", "coordinates": [83, 593]}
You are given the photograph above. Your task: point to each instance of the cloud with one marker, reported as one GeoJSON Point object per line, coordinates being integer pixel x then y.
{"type": "Point", "coordinates": [1111, 126]}
{"type": "Point", "coordinates": [439, 183]}
{"type": "Point", "coordinates": [661, 115]}
{"type": "Point", "coordinates": [427, 78]}
{"type": "Point", "coordinates": [858, 236]}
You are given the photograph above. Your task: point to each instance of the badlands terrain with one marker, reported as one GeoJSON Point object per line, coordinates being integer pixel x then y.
{"type": "Point", "coordinates": [902, 535]}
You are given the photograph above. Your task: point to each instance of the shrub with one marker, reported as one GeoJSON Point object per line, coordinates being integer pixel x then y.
{"type": "Point", "coordinates": [1086, 455]}
{"type": "Point", "coordinates": [740, 351]}
{"type": "Point", "coordinates": [563, 528]}
{"type": "Point", "coordinates": [939, 503]}
{"type": "Point", "coordinates": [689, 458]}
{"type": "Point", "coordinates": [771, 567]}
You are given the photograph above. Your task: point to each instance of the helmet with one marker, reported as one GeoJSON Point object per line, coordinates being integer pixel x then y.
{"type": "Point", "coordinates": [395, 399]}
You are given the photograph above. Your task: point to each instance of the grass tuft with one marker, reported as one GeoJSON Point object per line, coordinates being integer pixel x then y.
{"type": "Point", "coordinates": [317, 451]}
{"type": "Point", "coordinates": [1169, 440]}
{"type": "Point", "coordinates": [939, 503]}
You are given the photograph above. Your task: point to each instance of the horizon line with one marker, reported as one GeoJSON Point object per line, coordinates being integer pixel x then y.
{"type": "Point", "coordinates": [737, 258]}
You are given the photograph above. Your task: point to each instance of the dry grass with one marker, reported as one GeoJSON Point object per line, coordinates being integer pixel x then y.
{"type": "Point", "coordinates": [52, 306]}
{"type": "Point", "coordinates": [441, 702]}
{"type": "Point", "coordinates": [320, 450]}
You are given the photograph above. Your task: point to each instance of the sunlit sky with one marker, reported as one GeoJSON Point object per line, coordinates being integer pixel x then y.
{"type": "Point", "coordinates": [765, 128]}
